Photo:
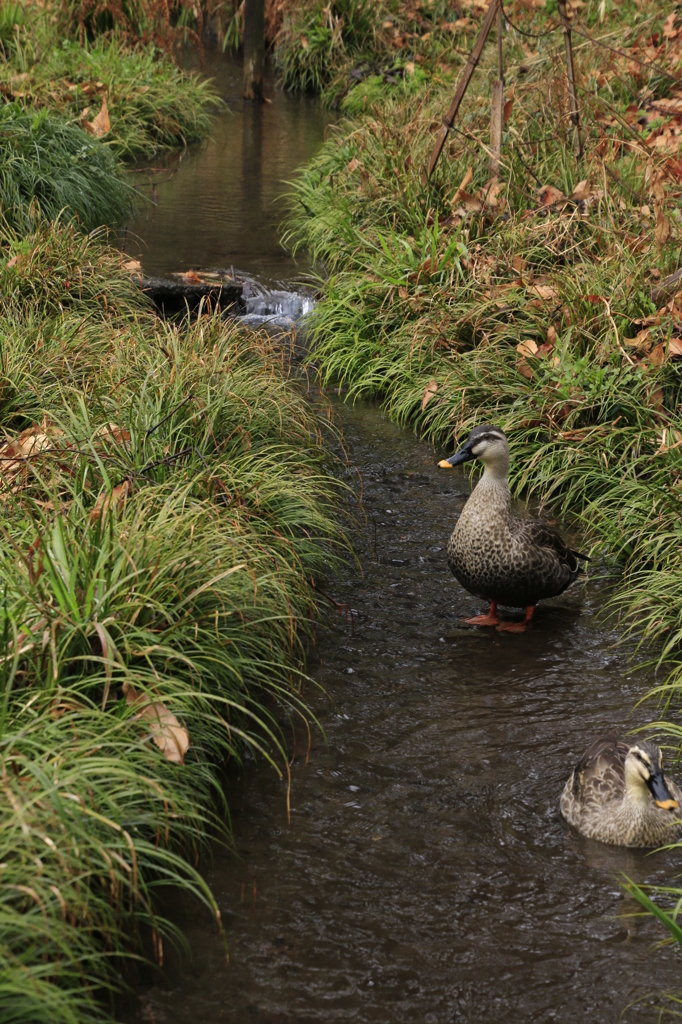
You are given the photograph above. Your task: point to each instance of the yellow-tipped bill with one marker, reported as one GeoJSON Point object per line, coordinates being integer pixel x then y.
{"type": "Point", "coordinates": [444, 464]}
{"type": "Point", "coordinates": [667, 805]}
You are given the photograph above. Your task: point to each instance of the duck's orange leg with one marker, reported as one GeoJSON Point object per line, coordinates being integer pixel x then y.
{"type": "Point", "coordinates": [490, 619]}
{"type": "Point", "coordinates": [518, 627]}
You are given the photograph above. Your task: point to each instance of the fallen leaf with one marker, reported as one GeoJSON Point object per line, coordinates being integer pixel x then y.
{"type": "Point", "coordinates": [409, 67]}
{"type": "Point", "coordinates": [117, 498]}
{"type": "Point", "coordinates": [524, 369]}
{"type": "Point", "coordinates": [100, 125]}
{"type": "Point", "coordinates": [170, 737]}
{"type": "Point", "coordinates": [133, 266]}
{"type": "Point", "coordinates": [548, 195]}
{"type": "Point", "coordinates": [10, 263]}
{"type": "Point", "coordinates": [551, 336]}
{"type": "Point", "coordinates": [490, 192]}
{"type": "Point", "coordinates": [527, 347]}
{"type": "Point", "coordinates": [640, 341]}
{"type": "Point", "coordinates": [656, 399]}
{"type": "Point", "coordinates": [113, 432]}
{"type": "Point", "coordinates": [675, 348]}
{"type": "Point", "coordinates": [519, 264]}
{"type": "Point", "coordinates": [429, 391]}
{"type": "Point", "coordinates": [191, 277]}
{"type": "Point", "coordinates": [581, 191]}
{"type": "Point", "coordinates": [508, 109]}
{"type": "Point", "coordinates": [662, 229]}
{"type": "Point", "coordinates": [304, 41]}
{"type": "Point", "coordinates": [353, 165]}
{"type": "Point", "coordinates": [544, 291]}
{"type": "Point", "coordinates": [463, 185]}
{"type": "Point", "coordinates": [657, 355]}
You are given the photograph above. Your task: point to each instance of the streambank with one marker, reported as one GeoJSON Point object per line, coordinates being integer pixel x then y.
{"type": "Point", "coordinates": [168, 505]}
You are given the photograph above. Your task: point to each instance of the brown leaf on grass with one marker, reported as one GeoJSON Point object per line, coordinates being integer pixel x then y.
{"type": "Point", "coordinates": [548, 195]}
{"type": "Point", "coordinates": [170, 737]}
{"type": "Point", "coordinates": [656, 399]}
{"type": "Point", "coordinates": [15, 454]}
{"type": "Point", "coordinates": [112, 432]}
{"type": "Point", "coordinates": [547, 292]}
{"type": "Point", "coordinates": [100, 124]}
{"type": "Point", "coordinates": [582, 191]}
{"type": "Point", "coordinates": [353, 165]}
{"type": "Point", "coordinates": [117, 498]}
{"type": "Point", "coordinates": [508, 107]}
{"type": "Point", "coordinates": [409, 67]}
{"type": "Point", "coordinates": [134, 266]}
{"type": "Point", "coordinates": [551, 336]}
{"type": "Point", "coordinates": [429, 391]}
{"type": "Point", "coordinates": [524, 369]}
{"type": "Point", "coordinates": [675, 348]}
{"type": "Point", "coordinates": [463, 185]}
{"type": "Point", "coordinates": [657, 355]}
{"type": "Point", "coordinates": [304, 41]}
{"type": "Point", "coordinates": [662, 229]}
{"type": "Point", "coordinates": [527, 347]}
{"type": "Point", "coordinates": [642, 340]}
{"type": "Point", "coordinates": [11, 263]}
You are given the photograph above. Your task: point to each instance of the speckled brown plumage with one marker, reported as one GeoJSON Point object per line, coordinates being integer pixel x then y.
{"type": "Point", "coordinates": [498, 556]}
{"type": "Point", "coordinates": [604, 801]}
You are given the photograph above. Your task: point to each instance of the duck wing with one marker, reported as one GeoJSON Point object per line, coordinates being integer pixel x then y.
{"type": "Point", "coordinates": [599, 775]}
{"type": "Point", "coordinates": [540, 534]}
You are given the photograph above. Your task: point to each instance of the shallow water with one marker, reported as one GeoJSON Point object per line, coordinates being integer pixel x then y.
{"type": "Point", "coordinates": [220, 204]}
{"type": "Point", "coordinates": [426, 875]}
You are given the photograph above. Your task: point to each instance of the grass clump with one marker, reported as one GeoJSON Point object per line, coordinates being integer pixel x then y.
{"type": "Point", "coordinates": [167, 507]}
{"type": "Point", "coordinates": [152, 104]}
{"type": "Point", "coordinates": [49, 167]}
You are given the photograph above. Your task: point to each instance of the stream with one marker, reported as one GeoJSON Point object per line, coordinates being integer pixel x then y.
{"type": "Point", "coordinates": [426, 874]}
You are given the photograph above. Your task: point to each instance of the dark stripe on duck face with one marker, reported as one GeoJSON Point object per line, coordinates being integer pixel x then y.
{"type": "Point", "coordinates": [486, 432]}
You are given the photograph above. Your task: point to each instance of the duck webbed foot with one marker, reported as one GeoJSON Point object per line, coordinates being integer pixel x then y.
{"type": "Point", "coordinates": [518, 627]}
{"type": "Point", "coordinates": [490, 619]}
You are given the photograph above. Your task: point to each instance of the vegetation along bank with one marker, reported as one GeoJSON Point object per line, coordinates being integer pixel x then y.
{"type": "Point", "coordinates": [542, 297]}
{"type": "Point", "coordinates": [167, 504]}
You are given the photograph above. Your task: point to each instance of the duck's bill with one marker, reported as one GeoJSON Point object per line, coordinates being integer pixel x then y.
{"type": "Point", "coordinates": [661, 793]}
{"type": "Point", "coordinates": [463, 455]}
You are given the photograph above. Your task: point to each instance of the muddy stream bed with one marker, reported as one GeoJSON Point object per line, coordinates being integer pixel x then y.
{"type": "Point", "coordinates": [426, 875]}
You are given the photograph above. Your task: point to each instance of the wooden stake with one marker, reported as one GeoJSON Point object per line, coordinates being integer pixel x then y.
{"type": "Point", "coordinates": [497, 105]}
{"type": "Point", "coordinates": [572, 95]}
{"type": "Point", "coordinates": [254, 49]}
{"type": "Point", "coordinates": [462, 85]}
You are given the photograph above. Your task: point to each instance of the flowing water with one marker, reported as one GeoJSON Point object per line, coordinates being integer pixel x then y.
{"type": "Point", "coordinates": [426, 875]}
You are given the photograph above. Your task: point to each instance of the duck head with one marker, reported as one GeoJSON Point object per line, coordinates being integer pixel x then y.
{"type": "Point", "coordinates": [487, 443]}
{"type": "Point", "coordinates": [644, 775]}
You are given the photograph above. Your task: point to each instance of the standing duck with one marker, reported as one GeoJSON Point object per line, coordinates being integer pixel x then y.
{"type": "Point", "coordinates": [496, 555]}
{"type": "Point", "coordinates": [617, 793]}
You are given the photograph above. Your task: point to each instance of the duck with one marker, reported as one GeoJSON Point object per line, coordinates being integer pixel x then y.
{"type": "Point", "coordinates": [496, 555]}
{"type": "Point", "coordinates": [617, 793]}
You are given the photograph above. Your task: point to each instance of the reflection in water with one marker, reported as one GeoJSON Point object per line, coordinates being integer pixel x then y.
{"type": "Point", "coordinates": [426, 875]}
{"type": "Point", "coordinates": [223, 206]}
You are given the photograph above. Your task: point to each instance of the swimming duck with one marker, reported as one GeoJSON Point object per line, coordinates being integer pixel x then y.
{"type": "Point", "coordinates": [617, 793]}
{"type": "Point", "coordinates": [494, 554]}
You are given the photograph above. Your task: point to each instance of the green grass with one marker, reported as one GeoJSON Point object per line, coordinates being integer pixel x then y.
{"type": "Point", "coordinates": [152, 103]}
{"type": "Point", "coordinates": [50, 168]}
{"type": "Point", "coordinates": [197, 590]}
